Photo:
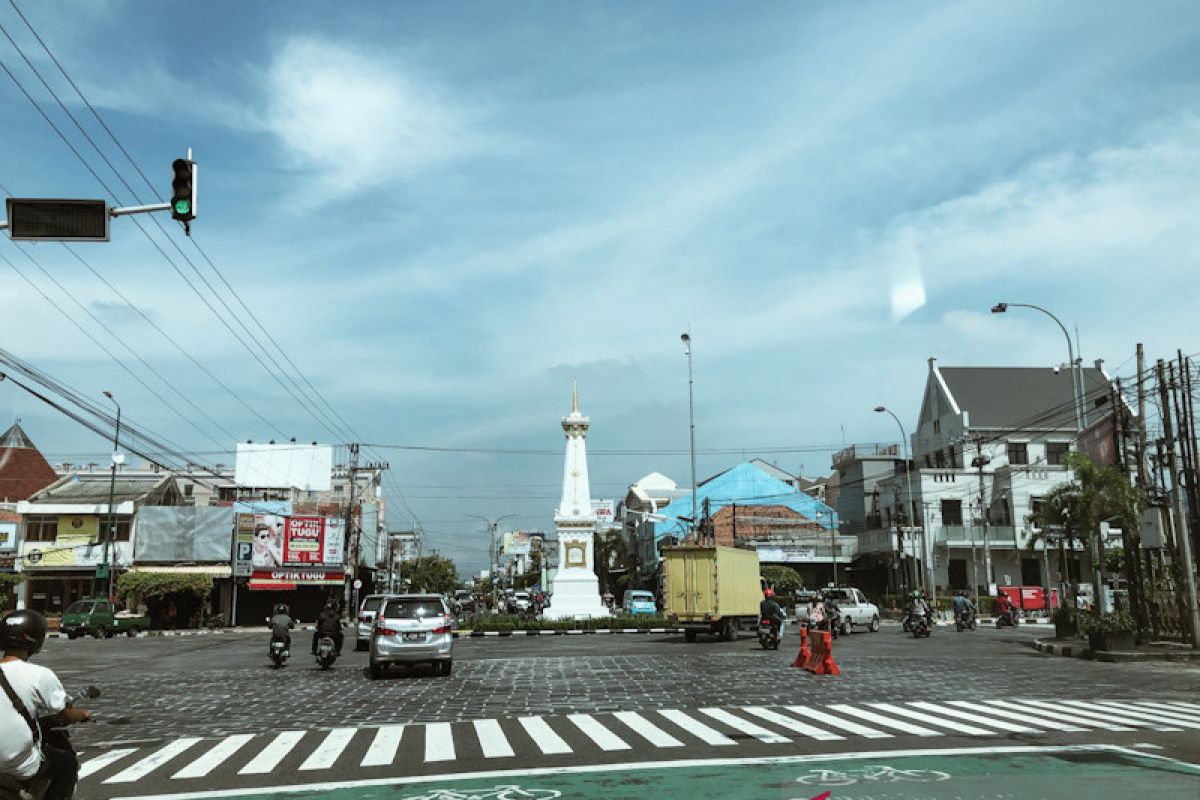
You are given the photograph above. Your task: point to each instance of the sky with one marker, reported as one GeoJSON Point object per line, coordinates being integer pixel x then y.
{"type": "Point", "coordinates": [446, 213]}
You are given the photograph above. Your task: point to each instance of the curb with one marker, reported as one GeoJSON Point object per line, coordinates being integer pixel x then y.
{"type": "Point", "coordinates": [1067, 650]}
{"type": "Point", "coordinates": [1113, 656]}
{"type": "Point", "coordinates": [186, 632]}
{"type": "Point", "coordinates": [573, 632]}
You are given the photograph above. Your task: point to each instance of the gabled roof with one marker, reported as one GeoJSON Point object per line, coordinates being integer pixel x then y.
{"type": "Point", "coordinates": [23, 469]}
{"type": "Point", "coordinates": [1007, 398]}
{"type": "Point", "coordinates": [744, 485]}
{"type": "Point", "coordinates": [773, 471]}
{"type": "Point", "coordinates": [94, 490]}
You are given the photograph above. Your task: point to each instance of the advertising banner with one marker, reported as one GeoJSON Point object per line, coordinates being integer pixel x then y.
{"type": "Point", "coordinates": [8, 536]}
{"type": "Point", "coordinates": [787, 554]}
{"type": "Point", "coordinates": [70, 552]}
{"type": "Point", "coordinates": [77, 526]}
{"type": "Point", "coordinates": [289, 578]}
{"type": "Point", "coordinates": [603, 511]}
{"type": "Point", "coordinates": [335, 540]}
{"type": "Point", "coordinates": [243, 564]}
{"type": "Point", "coordinates": [303, 540]}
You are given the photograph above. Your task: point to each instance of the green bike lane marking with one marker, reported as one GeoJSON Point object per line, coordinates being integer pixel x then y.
{"type": "Point", "coordinates": [1097, 772]}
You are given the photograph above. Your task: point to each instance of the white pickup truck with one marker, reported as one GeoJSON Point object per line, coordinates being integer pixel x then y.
{"type": "Point", "coordinates": [857, 611]}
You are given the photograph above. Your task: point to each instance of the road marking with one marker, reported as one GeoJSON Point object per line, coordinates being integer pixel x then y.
{"type": "Point", "coordinates": [94, 765]}
{"type": "Point", "coordinates": [1165, 718]}
{"type": "Point", "coordinates": [328, 751]}
{"type": "Point", "coordinates": [214, 757]}
{"type": "Point", "coordinates": [1057, 714]}
{"type": "Point", "coordinates": [647, 729]}
{"type": "Point", "coordinates": [1104, 715]}
{"type": "Point", "coordinates": [837, 722]}
{"type": "Point", "coordinates": [602, 736]}
{"type": "Point", "coordinates": [439, 742]}
{"type": "Point", "coordinates": [745, 726]}
{"type": "Point", "coordinates": [954, 712]}
{"type": "Point", "coordinates": [544, 736]}
{"type": "Point", "coordinates": [384, 746]}
{"type": "Point", "coordinates": [491, 739]}
{"type": "Point", "coordinates": [886, 722]}
{"type": "Point", "coordinates": [1181, 709]}
{"type": "Point", "coordinates": [792, 724]}
{"type": "Point", "coordinates": [272, 754]}
{"type": "Point", "coordinates": [1192, 707]}
{"type": "Point", "coordinates": [929, 719]}
{"type": "Point", "coordinates": [1051, 724]}
{"type": "Point", "coordinates": [697, 728]}
{"type": "Point", "coordinates": [153, 761]}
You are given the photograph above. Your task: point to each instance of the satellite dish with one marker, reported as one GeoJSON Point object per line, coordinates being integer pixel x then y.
{"type": "Point", "coordinates": [118, 458]}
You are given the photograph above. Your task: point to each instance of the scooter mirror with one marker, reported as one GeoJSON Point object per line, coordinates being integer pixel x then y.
{"type": "Point", "coordinates": [91, 692]}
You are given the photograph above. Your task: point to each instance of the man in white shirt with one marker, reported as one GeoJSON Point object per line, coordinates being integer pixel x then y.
{"type": "Point", "coordinates": [24, 753]}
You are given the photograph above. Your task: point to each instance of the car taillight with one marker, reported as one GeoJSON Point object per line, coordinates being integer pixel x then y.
{"type": "Point", "coordinates": [443, 629]}
{"type": "Point", "coordinates": [765, 622]}
{"type": "Point", "coordinates": [386, 632]}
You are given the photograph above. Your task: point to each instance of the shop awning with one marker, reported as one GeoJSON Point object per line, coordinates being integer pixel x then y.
{"type": "Point", "coordinates": [216, 570]}
{"type": "Point", "coordinates": [289, 579]}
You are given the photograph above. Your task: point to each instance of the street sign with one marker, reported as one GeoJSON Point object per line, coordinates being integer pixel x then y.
{"type": "Point", "coordinates": [101, 571]}
{"type": "Point", "coordinates": [47, 220]}
{"type": "Point", "coordinates": [357, 583]}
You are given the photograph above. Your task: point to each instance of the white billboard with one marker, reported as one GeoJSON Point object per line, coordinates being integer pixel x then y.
{"type": "Point", "coordinates": [604, 512]}
{"type": "Point", "coordinates": [281, 466]}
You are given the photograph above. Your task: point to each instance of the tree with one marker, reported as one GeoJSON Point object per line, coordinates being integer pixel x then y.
{"type": "Point", "coordinates": [784, 580]}
{"type": "Point", "coordinates": [431, 574]}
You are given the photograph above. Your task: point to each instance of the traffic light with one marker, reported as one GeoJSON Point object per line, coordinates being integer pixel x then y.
{"type": "Point", "coordinates": [183, 191]}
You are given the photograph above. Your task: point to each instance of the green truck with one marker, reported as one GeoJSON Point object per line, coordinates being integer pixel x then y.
{"type": "Point", "coordinates": [97, 618]}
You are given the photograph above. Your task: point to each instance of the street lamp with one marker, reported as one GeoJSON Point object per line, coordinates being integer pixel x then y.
{"type": "Point", "coordinates": [110, 535]}
{"type": "Point", "coordinates": [908, 515]}
{"type": "Point", "coordinates": [687, 349]}
{"type": "Point", "coordinates": [1076, 376]}
{"type": "Point", "coordinates": [492, 524]}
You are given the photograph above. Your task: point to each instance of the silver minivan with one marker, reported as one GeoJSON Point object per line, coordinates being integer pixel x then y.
{"type": "Point", "coordinates": [412, 629]}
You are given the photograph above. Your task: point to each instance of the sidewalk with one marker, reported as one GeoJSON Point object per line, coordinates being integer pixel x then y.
{"type": "Point", "coordinates": [1155, 651]}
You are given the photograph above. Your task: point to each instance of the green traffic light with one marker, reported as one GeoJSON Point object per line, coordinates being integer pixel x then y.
{"type": "Point", "coordinates": [183, 206]}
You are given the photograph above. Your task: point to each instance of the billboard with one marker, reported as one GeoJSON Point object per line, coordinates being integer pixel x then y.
{"type": "Point", "coordinates": [183, 533]}
{"type": "Point", "coordinates": [266, 541]}
{"type": "Point", "coordinates": [787, 554]}
{"type": "Point", "coordinates": [517, 543]}
{"type": "Point", "coordinates": [281, 466]}
{"type": "Point", "coordinates": [8, 535]}
{"type": "Point", "coordinates": [604, 512]}
{"type": "Point", "coordinates": [72, 551]}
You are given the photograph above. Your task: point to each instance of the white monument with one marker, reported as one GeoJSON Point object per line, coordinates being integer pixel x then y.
{"type": "Point", "coordinates": [576, 587]}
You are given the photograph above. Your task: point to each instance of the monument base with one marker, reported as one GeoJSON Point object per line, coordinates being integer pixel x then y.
{"type": "Point", "coordinates": [576, 596]}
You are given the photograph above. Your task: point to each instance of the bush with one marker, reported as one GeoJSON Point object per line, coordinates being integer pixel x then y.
{"type": "Point", "coordinates": [147, 585]}
{"type": "Point", "coordinates": [784, 580]}
{"type": "Point", "coordinates": [1117, 622]}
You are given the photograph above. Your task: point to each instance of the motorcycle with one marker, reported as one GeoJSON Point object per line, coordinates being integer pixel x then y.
{"type": "Point", "coordinates": [920, 625]}
{"type": "Point", "coordinates": [768, 634]}
{"type": "Point", "coordinates": [964, 620]}
{"type": "Point", "coordinates": [54, 736]}
{"type": "Point", "coordinates": [833, 619]}
{"type": "Point", "coordinates": [326, 652]}
{"type": "Point", "coordinates": [1008, 619]}
{"type": "Point", "coordinates": [279, 652]}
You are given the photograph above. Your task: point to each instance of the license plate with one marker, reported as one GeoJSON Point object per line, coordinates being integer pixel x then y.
{"type": "Point", "coordinates": [414, 637]}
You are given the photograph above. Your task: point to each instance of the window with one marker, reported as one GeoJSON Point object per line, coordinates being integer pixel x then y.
{"type": "Point", "coordinates": [937, 426]}
{"type": "Point", "coordinates": [1056, 453]}
{"type": "Point", "coordinates": [123, 525]}
{"type": "Point", "coordinates": [1036, 506]}
{"type": "Point", "coordinates": [940, 459]}
{"type": "Point", "coordinates": [952, 512]}
{"type": "Point", "coordinates": [1018, 453]}
{"type": "Point", "coordinates": [39, 528]}
{"type": "Point", "coordinates": [953, 458]}
{"type": "Point", "coordinates": [188, 488]}
{"type": "Point", "coordinates": [413, 609]}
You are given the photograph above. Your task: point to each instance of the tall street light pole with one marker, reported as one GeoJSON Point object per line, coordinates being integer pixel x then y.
{"type": "Point", "coordinates": [110, 536]}
{"type": "Point", "coordinates": [687, 349]}
{"type": "Point", "coordinates": [492, 525]}
{"type": "Point", "coordinates": [908, 511]}
{"type": "Point", "coordinates": [1076, 376]}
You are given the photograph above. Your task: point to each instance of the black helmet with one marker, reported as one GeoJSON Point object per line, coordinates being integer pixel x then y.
{"type": "Point", "coordinates": [281, 608]}
{"type": "Point", "coordinates": [23, 630]}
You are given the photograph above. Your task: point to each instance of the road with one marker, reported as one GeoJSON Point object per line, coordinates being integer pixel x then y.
{"type": "Point", "coordinates": [617, 715]}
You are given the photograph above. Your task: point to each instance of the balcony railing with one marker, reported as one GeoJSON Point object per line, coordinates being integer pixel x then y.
{"type": "Point", "coordinates": [966, 535]}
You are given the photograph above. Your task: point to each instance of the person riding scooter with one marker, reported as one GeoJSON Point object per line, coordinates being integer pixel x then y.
{"type": "Point", "coordinates": [329, 623]}
{"type": "Point", "coordinates": [916, 606]}
{"type": "Point", "coordinates": [1006, 613]}
{"type": "Point", "coordinates": [32, 693]}
{"type": "Point", "coordinates": [769, 609]}
{"type": "Point", "coordinates": [281, 625]}
{"type": "Point", "coordinates": [964, 609]}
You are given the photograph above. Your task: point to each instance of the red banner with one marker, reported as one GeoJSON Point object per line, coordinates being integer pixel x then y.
{"type": "Point", "coordinates": [304, 540]}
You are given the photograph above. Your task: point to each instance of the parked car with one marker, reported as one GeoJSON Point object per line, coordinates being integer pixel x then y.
{"type": "Point", "coordinates": [96, 618]}
{"type": "Point", "coordinates": [412, 629]}
{"type": "Point", "coordinates": [638, 601]}
{"type": "Point", "coordinates": [366, 618]}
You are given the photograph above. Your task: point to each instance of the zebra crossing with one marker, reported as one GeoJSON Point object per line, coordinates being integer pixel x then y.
{"type": "Point", "coordinates": [192, 763]}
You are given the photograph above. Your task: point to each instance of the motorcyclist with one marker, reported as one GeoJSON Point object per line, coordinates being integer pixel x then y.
{"type": "Point", "coordinates": [329, 623]}
{"type": "Point", "coordinates": [769, 609]}
{"type": "Point", "coordinates": [964, 609]}
{"type": "Point", "coordinates": [1004, 609]}
{"type": "Point", "coordinates": [26, 752]}
{"type": "Point", "coordinates": [918, 606]}
{"type": "Point", "coordinates": [281, 624]}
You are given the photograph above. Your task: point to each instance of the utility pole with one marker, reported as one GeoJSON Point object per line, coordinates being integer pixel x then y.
{"type": "Point", "coordinates": [492, 525]}
{"type": "Point", "coordinates": [687, 344]}
{"type": "Point", "coordinates": [351, 607]}
{"type": "Point", "coordinates": [111, 533]}
{"type": "Point", "coordinates": [979, 462]}
{"type": "Point", "coordinates": [1182, 537]}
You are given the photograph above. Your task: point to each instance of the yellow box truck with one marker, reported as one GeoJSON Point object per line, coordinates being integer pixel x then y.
{"type": "Point", "coordinates": [711, 589]}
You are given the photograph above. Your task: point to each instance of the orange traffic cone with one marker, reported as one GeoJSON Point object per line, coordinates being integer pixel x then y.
{"type": "Point", "coordinates": [802, 656]}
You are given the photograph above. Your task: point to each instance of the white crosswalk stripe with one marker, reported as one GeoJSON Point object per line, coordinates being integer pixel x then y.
{"type": "Point", "coordinates": [647, 729]}
{"type": "Point", "coordinates": [329, 750]}
{"type": "Point", "coordinates": [1048, 724]}
{"type": "Point", "coordinates": [549, 742]}
{"type": "Point", "coordinates": [439, 742]}
{"type": "Point", "coordinates": [697, 728]}
{"type": "Point", "coordinates": [214, 757]}
{"type": "Point", "coordinates": [272, 754]}
{"type": "Point", "coordinates": [745, 726]}
{"type": "Point", "coordinates": [492, 740]}
{"type": "Point", "coordinates": [153, 761]}
{"type": "Point", "coordinates": [602, 736]}
{"type": "Point", "coordinates": [792, 724]}
{"type": "Point", "coordinates": [94, 765]}
{"type": "Point", "coordinates": [976, 718]}
{"type": "Point", "coordinates": [214, 760]}
{"type": "Point", "coordinates": [384, 746]}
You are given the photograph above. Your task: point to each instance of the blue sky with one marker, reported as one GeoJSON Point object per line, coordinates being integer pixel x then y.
{"type": "Point", "coordinates": [445, 213]}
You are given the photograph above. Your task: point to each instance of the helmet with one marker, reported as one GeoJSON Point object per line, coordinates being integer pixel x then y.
{"type": "Point", "coordinates": [281, 608]}
{"type": "Point", "coordinates": [916, 593]}
{"type": "Point", "coordinates": [23, 630]}
{"type": "Point", "coordinates": [768, 592]}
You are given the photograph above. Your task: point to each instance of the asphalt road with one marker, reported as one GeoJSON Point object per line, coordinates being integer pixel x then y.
{"type": "Point", "coordinates": [199, 714]}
